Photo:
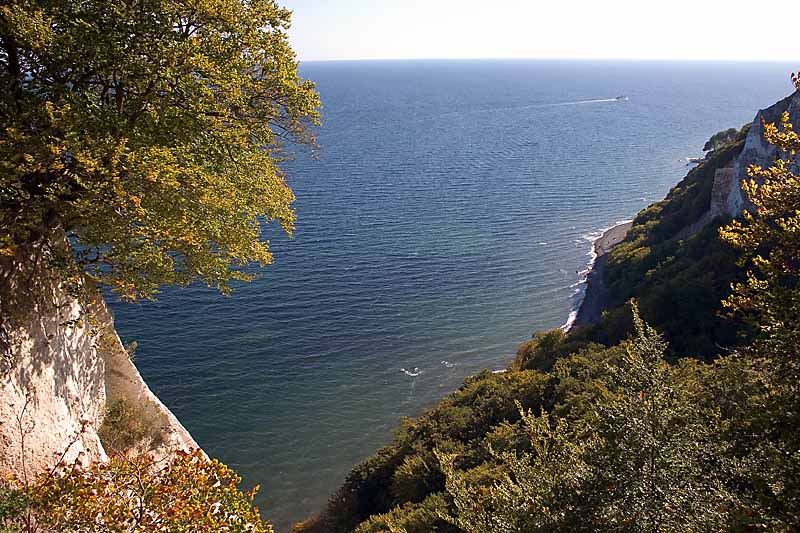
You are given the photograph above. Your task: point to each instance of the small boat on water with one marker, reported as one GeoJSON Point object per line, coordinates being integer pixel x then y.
{"type": "Point", "coordinates": [621, 97]}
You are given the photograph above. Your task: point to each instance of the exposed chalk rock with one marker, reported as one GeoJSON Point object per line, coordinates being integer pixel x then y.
{"type": "Point", "coordinates": [52, 393]}
{"type": "Point", "coordinates": [62, 362]}
{"type": "Point", "coordinates": [727, 196]}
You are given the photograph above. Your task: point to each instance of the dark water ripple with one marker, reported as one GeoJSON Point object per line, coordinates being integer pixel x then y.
{"type": "Point", "coordinates": [451, 208]}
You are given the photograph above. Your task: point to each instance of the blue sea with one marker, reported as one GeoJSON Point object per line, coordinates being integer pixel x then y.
{"type": "Point", "coordinates": [448, 216]}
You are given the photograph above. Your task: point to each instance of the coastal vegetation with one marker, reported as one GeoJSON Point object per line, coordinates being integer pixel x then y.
{"type": "Point", "coordinates": [679, 277]}
{"type": "Point", "coordinates": [125, 426]}
{"type": "Point", "coordinates": [677, 412]}
{"type": "Point", "coordinates": [720, 139]}
{"type": "Point", "coordinates": [187, 493]}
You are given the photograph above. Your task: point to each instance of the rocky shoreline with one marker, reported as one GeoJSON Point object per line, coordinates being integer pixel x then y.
{"type": "Point", "coordinates": [596, 297]}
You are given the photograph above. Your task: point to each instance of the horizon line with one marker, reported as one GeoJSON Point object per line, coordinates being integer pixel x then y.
{"type": "Point", "coordinates": [599, 59]}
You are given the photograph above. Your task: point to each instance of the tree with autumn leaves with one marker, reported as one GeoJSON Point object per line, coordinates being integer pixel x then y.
{"type": "Point", "coordinates": [150, 133]}
{"type": "Point", "coordinates": [189, 492]}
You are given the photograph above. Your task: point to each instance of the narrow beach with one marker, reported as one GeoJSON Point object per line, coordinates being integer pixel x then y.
{"type": "Point", "coordinates": [596, 297]}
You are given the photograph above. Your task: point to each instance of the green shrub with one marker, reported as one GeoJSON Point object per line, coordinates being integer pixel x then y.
{"type": "Point", "coordinates": [127, 426]}
{"type": "Point", "coordinates": [547, 347]}
{"type": "Point", "coordinates": [13, 504]}
{"type": "Point", "coordinates": [424, 517]}
{"type": "Point", "coordinates": [418, 476]}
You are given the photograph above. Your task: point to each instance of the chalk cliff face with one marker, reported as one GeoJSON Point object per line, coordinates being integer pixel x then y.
{"type": "Point", "coordinates": [727, 195]}
{"type": "Point", "coordinates": [52, 386]}
{"type": "Point", "coordinates": [62, 363]}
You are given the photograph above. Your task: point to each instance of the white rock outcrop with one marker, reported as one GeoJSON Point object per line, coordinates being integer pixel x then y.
{"type": "Point", "coordinates": [727, 195]}
{"type": "Point", "coordinates": [52, 390]}
{"type": "Point", "coordinates": [62, 363]}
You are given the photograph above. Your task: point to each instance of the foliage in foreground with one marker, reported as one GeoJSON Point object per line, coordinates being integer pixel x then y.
{"type": "Point", "coordinates": [189, 493]}
{"type": "Point", "coordinates": [770, 300]}
{"type": "Point", "coordinates": [648, 457]}
{"type": "Point", "coordinates": [150, 132]}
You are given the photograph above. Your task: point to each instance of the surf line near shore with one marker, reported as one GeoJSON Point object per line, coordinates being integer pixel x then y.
{"type": "Point", "coordinates": [594, 299]}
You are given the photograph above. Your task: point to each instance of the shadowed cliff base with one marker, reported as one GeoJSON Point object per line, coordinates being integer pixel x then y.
{"type": "Point", "coordinates": [597, 295]}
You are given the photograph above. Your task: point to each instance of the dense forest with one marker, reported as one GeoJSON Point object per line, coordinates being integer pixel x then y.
{"type": "Point", "coordinates": [678, 411]}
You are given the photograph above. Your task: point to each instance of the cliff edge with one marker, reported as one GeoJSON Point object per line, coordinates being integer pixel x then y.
{"type": "Point", "coordinates": [727, 196]}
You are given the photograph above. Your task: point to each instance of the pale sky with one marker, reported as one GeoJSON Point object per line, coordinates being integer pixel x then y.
{"type": "Point", "coordinates": [752, 30]}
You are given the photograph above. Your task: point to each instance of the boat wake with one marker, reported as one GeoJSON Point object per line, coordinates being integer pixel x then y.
{"type": "Point", "coordinates": [556, 104]}
{"type": "Point", "coordinates": [594, 101]}
{"type": "Point", "coordinates": [521, 107]}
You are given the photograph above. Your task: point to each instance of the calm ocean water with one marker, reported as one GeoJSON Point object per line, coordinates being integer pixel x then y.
{"type": "Point", "coordinates": [446, 219]}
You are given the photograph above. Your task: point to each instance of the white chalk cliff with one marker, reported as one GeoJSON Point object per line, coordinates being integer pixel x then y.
{"type": "Point", "coordinates": [727, 197]}
{"type": "Point", "coordinates": [61, 364]}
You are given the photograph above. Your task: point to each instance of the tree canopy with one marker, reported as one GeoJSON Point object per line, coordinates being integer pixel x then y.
{"type": "Point", "coordinates": [769, 298]}
{"type": "Point", "coordinates": [150, 133]}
